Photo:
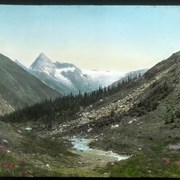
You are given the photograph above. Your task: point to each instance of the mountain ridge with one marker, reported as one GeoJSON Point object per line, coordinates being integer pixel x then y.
{"type": "Point", "coordinates": [67, 78]}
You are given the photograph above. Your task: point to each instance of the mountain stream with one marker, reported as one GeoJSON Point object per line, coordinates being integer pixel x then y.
{"type": "Point", "coordinates": [96, 156]}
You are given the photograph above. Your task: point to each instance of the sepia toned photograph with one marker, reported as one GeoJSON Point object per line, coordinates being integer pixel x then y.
{"type": "Point", "coordinates": [89, 91]}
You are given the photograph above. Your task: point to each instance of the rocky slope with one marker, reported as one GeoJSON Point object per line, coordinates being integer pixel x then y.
{"type": "Point", "coordinates": [153, 91]}
{"type": "Point", "coordinates": [117, 104]}
{"type": "Point", "coordinates": [18, 88]}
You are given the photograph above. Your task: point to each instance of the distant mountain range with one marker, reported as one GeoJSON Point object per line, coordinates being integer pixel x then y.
{"type": "Point", "coordinates": [19, 88]}
{"type": "Point", "coordinates": [131, 75]}
{"type": "Point", "coordinates": [67, 78]}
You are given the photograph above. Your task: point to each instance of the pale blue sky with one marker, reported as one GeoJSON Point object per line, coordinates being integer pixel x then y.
{"type": "Point", "coordinates": [121, 38]}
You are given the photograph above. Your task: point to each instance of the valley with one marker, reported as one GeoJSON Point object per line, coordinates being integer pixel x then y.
{"type": "Point", "coordinates": [89, 90]}
{"type": "Point", "coordinates": [128, 130]}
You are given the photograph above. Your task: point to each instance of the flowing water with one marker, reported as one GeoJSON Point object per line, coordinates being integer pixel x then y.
{"type": "Point", "coordinates": [81, 145]}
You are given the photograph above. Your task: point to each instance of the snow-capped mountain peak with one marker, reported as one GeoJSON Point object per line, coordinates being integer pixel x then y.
{"type": "Point", "coordinates": [68, 78]}
{"type": "Point", "coordinates": [41, 60]}
{"type": "Point", "coordinates": [43, 64]}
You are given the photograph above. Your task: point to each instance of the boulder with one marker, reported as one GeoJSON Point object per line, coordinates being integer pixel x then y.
{"type": "Point", "coordinates": [28, 128]}
{"type": "Point", "coordinates": [89, 130]}
{"type": "Point", "coordinates": [47, 165]}
{"type": "Point", "coordinates": [114, 126]}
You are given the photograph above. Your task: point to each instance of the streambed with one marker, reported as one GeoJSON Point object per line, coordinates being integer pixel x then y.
{"type": "Point", "coordinates": [81, 145]}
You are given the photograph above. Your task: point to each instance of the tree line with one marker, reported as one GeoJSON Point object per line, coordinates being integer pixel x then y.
{"type": "Point", "coordinates": [64, 108]}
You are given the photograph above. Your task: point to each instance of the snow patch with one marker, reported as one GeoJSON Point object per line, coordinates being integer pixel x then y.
{"type": "Point", "coordinates": [62, 78]}
{"type": "Point", "coordinates": [71, 69]}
